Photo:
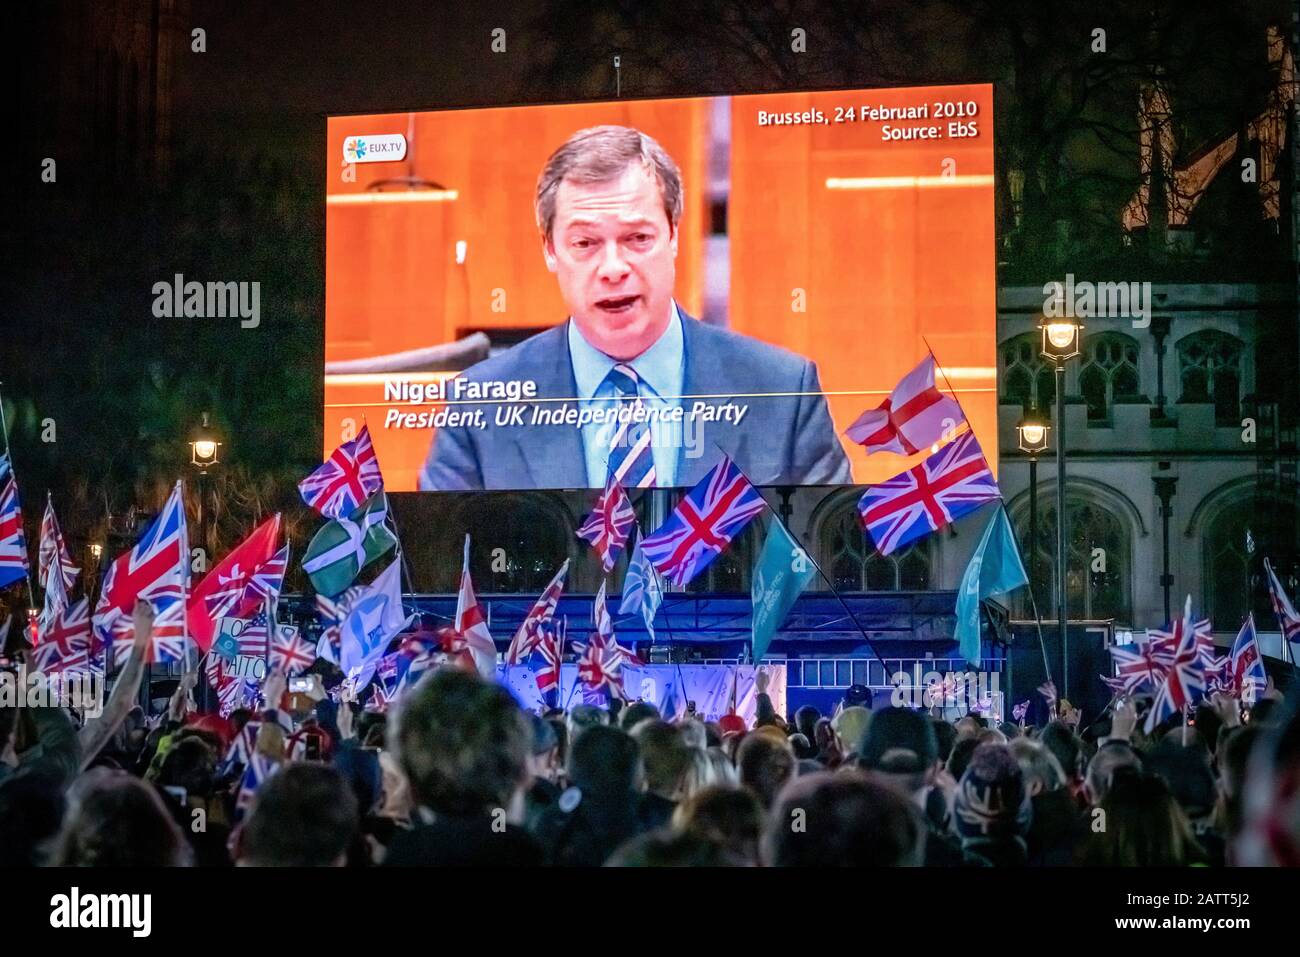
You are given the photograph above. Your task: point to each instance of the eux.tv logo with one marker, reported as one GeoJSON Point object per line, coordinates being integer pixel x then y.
{"type": "Point", "coordinates": [380, 148]}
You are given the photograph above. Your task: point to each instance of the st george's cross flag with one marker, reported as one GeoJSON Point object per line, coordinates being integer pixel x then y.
{"type": "Point", "coordinates": [346, 479]}
{"type": "Point", "coordinates": [940, 489]}
{"type": "Point", "coordinates": [13, 544]}
{"type": "Point", "coordinates": [529, 633]}
{"type": "Point", "coordinates": [914, 417]}
{"type": "Point", "coordinates": [609, 523]}
{"type": "Point", "coordinates": [1288, 618]}
{"type": "Point", "coordinates": [222, 592]}
{"type": "Point", "coordinates": [53, 547]}
{"type": "Point", "coordinates": [704, 522]}
{"type": "Point", "coordinates": [1184, 685]}
{"type": "Point", "coordinates": [1247, 664]}
{"type": "Point", "coordinates": [472, 625]}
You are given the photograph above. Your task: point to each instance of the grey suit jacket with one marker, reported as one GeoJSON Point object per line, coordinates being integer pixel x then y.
{"type": "Point", "coordinates": [786, 438]}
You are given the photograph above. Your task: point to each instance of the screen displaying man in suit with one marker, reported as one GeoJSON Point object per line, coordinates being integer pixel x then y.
{"type": "Point", "coordinates": [629, 384]}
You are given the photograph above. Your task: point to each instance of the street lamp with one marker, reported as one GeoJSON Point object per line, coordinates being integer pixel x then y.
{"type": "Point", "coordinates": [204, 447]}
{"type": "Point", "coordinates": [1061, 338]}
{"type": "Point", "coordinates": [1032, 434]}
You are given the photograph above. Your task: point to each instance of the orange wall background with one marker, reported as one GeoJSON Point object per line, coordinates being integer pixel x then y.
{"type": "Point", "coordinates": [880, 267]}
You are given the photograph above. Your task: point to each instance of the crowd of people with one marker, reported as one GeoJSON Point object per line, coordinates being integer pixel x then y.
{"type": "Point", "coordinates": [455, 772]}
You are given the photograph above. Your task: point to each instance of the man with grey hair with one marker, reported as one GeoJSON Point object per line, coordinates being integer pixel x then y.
{"type": "Point", "coordinates": [630, 386]}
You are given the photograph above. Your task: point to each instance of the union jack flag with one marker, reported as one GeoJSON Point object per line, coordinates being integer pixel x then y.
{"type": "Point", "coordinates": [346, 479]}
{"type": "Point", "coordinates": [267, 579]}
{"type": "Point", "coordinates": [1218, 675]}
{"type": "Point", "coordinates": [551, 646]}
{"type": "Point", "coordinates": [256, 773]}
{"type": "Point", "coordinates": [156, 569]}
{"type": "Point", "coordinates": [1287, 616]}
{"type": "Point", "coordinates": [65, 645]}
{"type": "Point", "coordinates": [600, 667]}
{"type": "Point", "coordinates": [1185, 683]}
{"type": "Point", "coordinates": [1019, 711]}
{"type": "Point", "coordinates": [528, 635]}
{"type": "Point", "coordinates": [53, 545]}
{"type": "Point", "coordinates": [1247, 669]}
{"type": "Point", "coordinates": [703, 523]}
{"type": "Point", "coordinates": [232, 691]}
{"type": "Point", "coordinates": [942, 488]}
{"type": "Point", "coordinates": [1138, 668]}
{"type": "Point", "coordinates": [13, 545]}
{"type": "Point", "coordinates": [245, 743]}
{"type": "Point", "coordinates": [1164, 644]}
{"type": "Point", "coordinates": [290, 652]}
{"type": "Point", "coordinates": [168, 642]}
{"type": "Point", "coordinates": [379, 699]}
{"type": "Point", "coordinates": [609, 523]}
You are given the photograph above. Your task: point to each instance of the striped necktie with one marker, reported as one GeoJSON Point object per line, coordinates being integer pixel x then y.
{"type": "Point", "coordinates": [631, 462]}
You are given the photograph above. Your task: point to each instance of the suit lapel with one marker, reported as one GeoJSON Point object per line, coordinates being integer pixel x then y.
{"type": "Point", "coordinates": [706, 374]}
{"type": "Point", "coordinates": [552, 454]}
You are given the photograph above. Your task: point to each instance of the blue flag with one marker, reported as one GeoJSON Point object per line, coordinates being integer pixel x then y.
{"type": "Point", "coordinates": [782, 571]}
{"type": "Point", "coordinates": [642, 590]}
{"type": "Point", "coordinates": [995, 568]}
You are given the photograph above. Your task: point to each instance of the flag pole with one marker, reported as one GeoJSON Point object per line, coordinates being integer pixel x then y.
{"type": "Point", "coordinates": [4, 431]}
{"type": "Point", "coordinates": [1038, 619]}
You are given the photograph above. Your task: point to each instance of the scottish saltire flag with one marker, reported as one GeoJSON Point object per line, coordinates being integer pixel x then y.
{"type": "Point", "coordinates": [157, 566]}
{"type": "Point", "coordinates": [994, 569]}
{"type": "Point", "coordinates": [338, 552]}
{"type": "Point", "coordinates": [1184, 685]}
{"type": "Point", "coordinates": [1137, 668]}
{"type": "Point", "coordinates": [782, 572]}
{"type": "Point", "coordinates": [472, 625]}
{"type": "Point", "coordinates": [609, 523]}
{"type": "Point", "coordinates": [914, 417]}
{"type": "Point", "coordinates": [704, 522]}
{"type": "Point", "coordinates": [375, 619]}
{"type": "Point", "coordinates": [331, 612]}
{"type": "Point", "coordinates": [13, 544]}
{"type": "Point", "coordinates": [346, 479]}
{"type": "Point", "coordinates": [53, 547]}
{"type": "Point", "coordinates": [289, 651]}
{"type": "Point", "coordinates": [65, 644]}
{"type": "Point", "coordinates": [643, 593]}
{"type": "Point", "coordinates": [529, 634]}
{"type": "Point", "coordinates": [1247, 664]}
{"type": "Point", "coordinates": [221, 593]}
{"type": "Point", "coordinates": [937, 491]}
{"type": "Point", "coordinates": [1288, 618]}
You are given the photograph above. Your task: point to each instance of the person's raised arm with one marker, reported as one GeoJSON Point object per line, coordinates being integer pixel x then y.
{"type": "Point", "coordinates": [95, 733]}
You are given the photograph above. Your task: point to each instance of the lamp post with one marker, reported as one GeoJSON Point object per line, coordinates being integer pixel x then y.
{"type": "Point", "coordinates": [1060, 344]}
{"type": "Point", "coordinates": [1032, 434]}
{"type": "Point", "coordinates": [205, 451]}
